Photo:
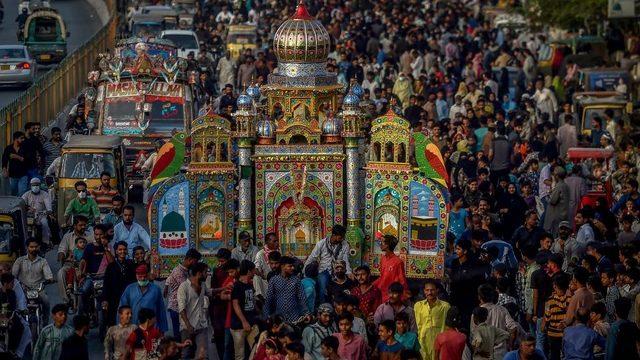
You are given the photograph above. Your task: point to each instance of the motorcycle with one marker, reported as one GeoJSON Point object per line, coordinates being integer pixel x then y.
{"type": "Point", "coordinates": [34, 311]}
{"type": "Point", "coordinates": [93, 307]}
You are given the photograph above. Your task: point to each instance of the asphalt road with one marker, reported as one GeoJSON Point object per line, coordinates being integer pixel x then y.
{"type": "Point", "coordinates": [81, 19]}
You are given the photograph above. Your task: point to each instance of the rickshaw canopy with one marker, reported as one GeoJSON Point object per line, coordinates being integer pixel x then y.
{"type": "Point", "coordinates": [93, 142]}
{"type": "Point", "coordinates": [579, 153]}
{"type": "Point", "coordinates": [60, 30]}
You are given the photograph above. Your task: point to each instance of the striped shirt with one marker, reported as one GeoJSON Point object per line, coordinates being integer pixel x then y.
{"type": "Point", "coordinates": [104, 196]}
{"type": "Point", "coordinates": [52, 151]}
{"type": "Point", "coordinates": [554, 314]}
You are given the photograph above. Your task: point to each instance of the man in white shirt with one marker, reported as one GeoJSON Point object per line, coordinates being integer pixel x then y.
{"type": "Point", "coordinates": [326, 251]}
{"type": "Point", "coordinates": [39, 202]}
{"type": "Point", "coordinates": [193, 305]}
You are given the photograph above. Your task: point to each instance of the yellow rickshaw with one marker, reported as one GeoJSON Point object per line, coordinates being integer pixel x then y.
{"type": "Point", "coordinates": [84, 158]}
{"type": "Point", "coordinates": [241, 37]}
{"type": "Point", "coordinates": [588, 105]}
{"type": "Point", "coordinates": [13, 227]}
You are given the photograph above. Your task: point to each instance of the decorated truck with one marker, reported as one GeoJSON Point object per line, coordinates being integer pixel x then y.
{"type": "Point", "coordinates": [141, 93]}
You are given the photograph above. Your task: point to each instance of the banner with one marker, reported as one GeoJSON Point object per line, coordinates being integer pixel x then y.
{"type": "Point", "coordinates": [623, 8]}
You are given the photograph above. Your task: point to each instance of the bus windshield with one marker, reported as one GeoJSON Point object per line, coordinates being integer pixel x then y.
{"type": "Point", "coordinates": [87, 165]}
{"type": "Point", "coordinates": [120, 118]}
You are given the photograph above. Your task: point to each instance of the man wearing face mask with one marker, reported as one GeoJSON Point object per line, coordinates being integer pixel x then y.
{"type": "Point", "coordinates": [39, 202]}
{"type": "Point", "coordinates": [82, 205]}
{"type": "Point", "coordinates": [145, 294]}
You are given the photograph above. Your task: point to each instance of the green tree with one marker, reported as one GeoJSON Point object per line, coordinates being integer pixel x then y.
{"type": "Point", "coordinates": [566, 14]}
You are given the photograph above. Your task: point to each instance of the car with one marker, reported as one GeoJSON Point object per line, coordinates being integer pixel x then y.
{"type": "Point", "coordinates": [185, 40]}
{"type": "Point", "coordinates": [17, 67]}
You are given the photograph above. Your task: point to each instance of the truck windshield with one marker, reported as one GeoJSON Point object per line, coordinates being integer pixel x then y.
{"type": "Point", "coordinates": [120, 117]}
{"type": "Point", "coordinates": [165, 117]}
{"type": "Point", "coordinates": [87, 166]}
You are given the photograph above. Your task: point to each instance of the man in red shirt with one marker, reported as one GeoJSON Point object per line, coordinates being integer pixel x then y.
{"type": "Point", "coordinates": [449, 344]}
{"type": "Point", "coordinates": [369, 295]}
{"type": "Point", "coordinates": [232, 266]}
{"type": "Point", "coordinates": [391, 268]}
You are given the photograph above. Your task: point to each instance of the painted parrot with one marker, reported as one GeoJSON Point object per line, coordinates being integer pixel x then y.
{"type": "Point", "coordinates": [170, 159]}
{"type": "Point", "coordinates": [430, 159]}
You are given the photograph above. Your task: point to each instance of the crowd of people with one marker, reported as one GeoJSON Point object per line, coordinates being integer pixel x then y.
{"type": "Point", "coordinates": [533, 269]}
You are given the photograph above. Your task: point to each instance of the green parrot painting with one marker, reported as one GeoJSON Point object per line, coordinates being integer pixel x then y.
{"type": "Point", "coordinates": [430, 159]}
{"type": "Point", "coordinates": [170, 159]}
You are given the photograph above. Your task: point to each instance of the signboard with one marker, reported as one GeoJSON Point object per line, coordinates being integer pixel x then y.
{"type": "Point", "coordinates": [157, 88]}
{"type": "Point", "coordinates": [623, 8]}
{"type": "Point", "coordinates": [607, 80]}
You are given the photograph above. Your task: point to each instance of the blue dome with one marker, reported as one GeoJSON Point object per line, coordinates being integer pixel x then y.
{"type": "Point", "coordinates": [244, 100]}
{"type": "Point", "coordinates": [332, 126]}
{"type": "Point", "coordinates": [254, 92]}
{"type": "Point", "coordinates": [357, 90]}
{"type": "Point", "coordinates": [265, 128]}
{"type": "Point", "coordinates": [351, 100]}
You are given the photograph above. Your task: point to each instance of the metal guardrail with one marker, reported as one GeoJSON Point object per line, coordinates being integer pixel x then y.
{"type": "Point", "coordinates": [49, 95]}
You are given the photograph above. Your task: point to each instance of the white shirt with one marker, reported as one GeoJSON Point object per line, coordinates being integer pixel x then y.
{"type": "Point", "coordinates": [39, 202]}
{"type": "Point", "coordinates": [31, 273]}
{"type": "Point", "coordinates": [196, 305]}
{"type": "Point", "coordinates": [325, 253]}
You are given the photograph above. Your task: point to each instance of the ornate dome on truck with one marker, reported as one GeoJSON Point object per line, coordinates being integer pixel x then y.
{"type": "Point", "coordinates": [301, 39]}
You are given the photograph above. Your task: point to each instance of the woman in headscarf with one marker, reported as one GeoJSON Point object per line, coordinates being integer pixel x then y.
{"type": "Point", "coordinates": [511, 207]}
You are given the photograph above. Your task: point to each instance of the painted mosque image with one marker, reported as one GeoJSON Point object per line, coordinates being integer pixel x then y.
{"type": "Point", "coordinates": [301, 162]}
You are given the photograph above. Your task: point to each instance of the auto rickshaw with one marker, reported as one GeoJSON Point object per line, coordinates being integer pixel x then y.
{"type": "Point", "coordinates": [588, 105]}
{"type": "Point", "coordinates": [241, 37]}
{"type": "Point", "coordinates": [586, 51]}
{"type": "Point", "coordinates": [45, 35]}
{"type": "Point", "coordinates": [85, 157]}
{"type": "Point", "coordinates": [13, 227]}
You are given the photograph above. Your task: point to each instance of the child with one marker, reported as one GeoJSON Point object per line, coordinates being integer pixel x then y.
{"type": "Point", "coordinates": [272, 350]}
{"type": "Point", "coordinates": [450, 343]}
{"type": "Point", "coordinates": [169, 348]}
{"type": "Point", "coordinates": [626, 236]}
{"type": "Point", "coordinates": [142, 343]}
{"type": "Point", "coordinates": [49, 344]}
{"type": "Point", "coordinates": [295, 351]}
{"type": "Point", "coordinates": [485, 337]}
{"type": "Point", "coordinates": [74, 257]}
{"type": "Point", "coordinates": [329, 348]}
{"type": "Point", "coordinates": [608, 280]}
{"type": "Point", "coordinates": [597, 323]}
{"type": "Point", "coordinates": [116, 338]}
{"type": "Point", "coordinates": [352, 346]}
{"type": "Point", "coordinates": [554, 314]}
{"type": "Point", "coordinates": [408, 339]}
{"type": "Point", "coordinates": [342, 304]}
{"type": "Point", "coordinates": [388, 348]}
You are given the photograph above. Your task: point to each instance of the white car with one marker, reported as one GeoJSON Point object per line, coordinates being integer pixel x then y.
{"type": "Point", "coordinates": [185, 40]}
{"type": "Point", "coordinates": [17, 67]}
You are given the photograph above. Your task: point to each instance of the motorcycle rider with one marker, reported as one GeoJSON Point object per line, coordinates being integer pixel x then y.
{"type": "Point", "coordinates": [33, 270]}
{"type": "Point", "coordinates": [93, 264]}
{"type": "Point", "coordinates": [65, 249]}
{"type": "Point", "coordinates": [21, 20]}
{"type": "Point", "coordinates": [82, 205]}
{"type": "Point", "coordinates": [39, 203]}
{"type": "Point", "coordinates": [21, 307]}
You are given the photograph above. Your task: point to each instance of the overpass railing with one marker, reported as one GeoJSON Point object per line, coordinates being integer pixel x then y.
{"type": "Point", "coordinates": [50, 94]}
